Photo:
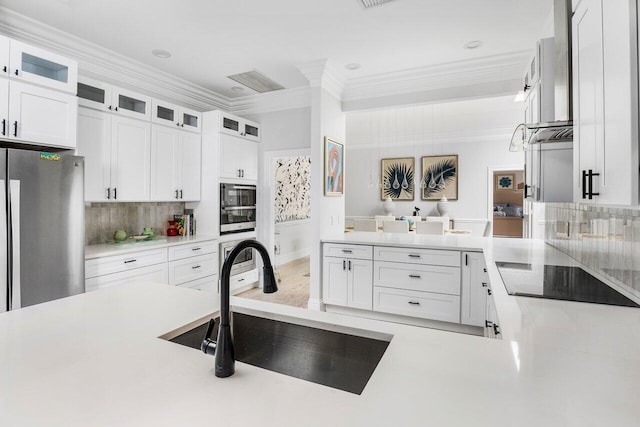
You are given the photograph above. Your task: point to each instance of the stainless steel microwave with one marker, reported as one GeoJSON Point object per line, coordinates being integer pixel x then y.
{"type": "Point", "coordinates": [237, 208]}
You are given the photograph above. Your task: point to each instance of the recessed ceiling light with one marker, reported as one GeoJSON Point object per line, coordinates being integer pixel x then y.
{"type": "Point", "coordinates": [161, 53]}
{"type": "Point", "coordinates": [237, 89]}
{"type": "Point", "coordinates": [474, 44]}
{"type": "Point", "coordinates": [352, 66]}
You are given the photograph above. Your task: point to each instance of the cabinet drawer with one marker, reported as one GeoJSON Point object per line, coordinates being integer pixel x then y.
{"type": "Point", "coordinates": [348, 251]}
{"type": "Point", "coordinates": [425, 305]}
{"type": "Point", "coordinates": [417, 256]}
{"type": "Point", "coordinates": [209, 284]}
{"type": "Point", "coordinates": [188, 269]}
{"type": "Point", "coordinates": [154, 273]}
{"type": "Point", "coordinates": [124, 262]}
{"type": "Point", "coordinates": [192, 249]}
{"type": "Point", "coordinates": [426, 278]}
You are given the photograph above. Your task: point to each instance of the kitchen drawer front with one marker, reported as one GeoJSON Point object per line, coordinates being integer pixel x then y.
{"type": "Point", "coordinates": [153, 273]}
{"type": "Point", "coordinates": [130, 261]}
{"type": "Point", "coordinates": [416, 277]}
{"type": "Point", "coordinates": [197, 267]}
{"type": "Point", "coordinates": [425, 305]}
{"type": "Point", "coordinates": [192, 249]}
{"type": "Point", "coordinates": [209, 284]}
{"type": "Point", "coordinates": [348, 251]}
{"type": "Point", "coordinates": [417, 256]}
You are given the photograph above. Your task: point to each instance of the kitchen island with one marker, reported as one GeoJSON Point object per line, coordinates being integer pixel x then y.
{"type": "Point", "coordinates": [96, 359]}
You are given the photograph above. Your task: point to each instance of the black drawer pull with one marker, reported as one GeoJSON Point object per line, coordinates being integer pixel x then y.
{"type": "Point", "coordinates": [415, 256]}
{"type": "Point", "coordinates": [130, 261]}
{"type": "Point", "coordinates": [415, 276]}
{"type": "Point", "coordinates": [347, 251]}
{"type": "Point", "coordinates": [196, 249]}
{"type": "Point", "coordinates": [414, 303]}
{"type": "Point", "coordinates": [196, 267]}
{"type": "Point", "coordinates": [485, 285]}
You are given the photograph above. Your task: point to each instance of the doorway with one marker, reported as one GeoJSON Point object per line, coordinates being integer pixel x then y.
{"type": "Point", "coordinates": [285, 225]}
{"type": "Point", "coordinates": [506, 201]}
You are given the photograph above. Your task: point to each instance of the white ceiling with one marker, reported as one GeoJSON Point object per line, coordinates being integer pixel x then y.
{"type": "Point", "coordinates": [210, 39]}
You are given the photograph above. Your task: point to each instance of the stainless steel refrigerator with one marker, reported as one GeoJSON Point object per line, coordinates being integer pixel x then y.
{"type": "Point", "coordinates": [41, 227]}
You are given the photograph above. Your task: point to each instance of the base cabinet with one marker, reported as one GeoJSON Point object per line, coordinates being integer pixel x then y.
{"type": "Point", "coordinates": [474, 290]}
{"type": "Point", "coordinates": [348, 280]}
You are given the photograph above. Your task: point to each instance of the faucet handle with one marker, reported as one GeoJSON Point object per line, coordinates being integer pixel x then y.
{"type": "Point", "coordinates": [208, 346]}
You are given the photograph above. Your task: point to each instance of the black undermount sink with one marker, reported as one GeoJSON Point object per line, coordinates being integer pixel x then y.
{"type": "Point", "coordinates": [334, 359]}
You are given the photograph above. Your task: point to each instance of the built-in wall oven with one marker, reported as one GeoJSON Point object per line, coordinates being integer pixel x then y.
{"type": "Point", "coordinates": [237, 208]}
{"type": "Point", "coordinates": [245, 261]}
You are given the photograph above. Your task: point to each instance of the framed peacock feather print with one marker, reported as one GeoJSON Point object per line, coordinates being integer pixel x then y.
{"type": "Point", "coordinates": [439, 177]}
{"type": "Point", "coordinates": [398, 179]}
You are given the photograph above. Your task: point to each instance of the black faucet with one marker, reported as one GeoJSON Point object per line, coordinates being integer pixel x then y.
{"type": "Point", "coordinates": [223, 347]}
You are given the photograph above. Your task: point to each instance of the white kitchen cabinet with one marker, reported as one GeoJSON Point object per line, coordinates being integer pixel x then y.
{"type": "Point", "coordinates": [605, 78]}
{"type": "Point", "coordinates": [117, 153]}
{"type": "Point", "coordinates": [175, 164]}
{"type": "Point", "coordinates": [193, 268]}
{"type": "Point", "coordinates": [152, 274]}
{"type": "Point", "coordinates": [5, 43]}
{"type": "Point", "coordinates": [347, 280]}
{"type": "Point", "coordinates": [34, 65]}
{"type": "Point", "coordinates": [425, 305]}
{"type": "Point", "coordinates": [42, 116]}
{"type": "Point", "coordinates": [94, 94]}
{"type": "Point", "coordinates": [209, 284]}
{"type": "Point", "coordinates": [240, 127]}
{"type": "Point", "coordinates": [238, 158]}
{"type": "Point", "coordinates": [131, 104]}
{"type": "Point", "coordinates": [4, 108]}
{"type": "Point", "coordinates": [94, 143]}
{"type": "Point", "coordinates": [130, 159]}
{"type": "Point", "coordinates": [474, 290]}
{"type": "Point", "coordinates": [168, 114]}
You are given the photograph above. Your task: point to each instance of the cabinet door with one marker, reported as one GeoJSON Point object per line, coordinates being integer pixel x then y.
{"type": "Point", "coordinates": [94, 94]}
{"type": "Point", "coordinates": [229, 159]}
{"type": "Point", "coordinates": [360, 289]}
{"type": "Point", "coordinates": [4, 108]}
{"type": "Point", "coordinates": [94, 143]}
{"type": "Point", "coordinates": [334, 281]}
{"type": "Point", "coordinates": [130, 158]}
{"type": "Point", "coordinates": [474, 290]}
{"type": "Point", "coordinates": [251, 131]}
{"type": "Point", "coordinates": [5, 43]}
{"type": "Point", "coordinates": [131, 104]}
{"type": "Point", "coordinates": [164, 164]}
{"type": "Point", "coordinates": [42, 116]}
{"type": "Point", "coordinates": [165, 113]}
{"type": "Point", "coordinates": [154, 273]}
{"type": "Point", "coordinates": [230, 125]}
{"type": "Point", "coordinates": [191, 165]}
{"type": "Point", "coordinates": [588, 91]}
{"type": "Point", "coordinates": [190, 120]}
{"type": "Point", "coordinates": [35, 65]}
{"type": "Point", "coordinates": [248, 157]}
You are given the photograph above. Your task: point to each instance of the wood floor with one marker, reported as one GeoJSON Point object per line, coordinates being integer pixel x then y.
{"type": "Point", "coordinates": [293, 285]}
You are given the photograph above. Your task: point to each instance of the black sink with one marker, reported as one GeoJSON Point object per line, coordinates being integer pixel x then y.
{"type": "Point", "coordinates": [334, 359]}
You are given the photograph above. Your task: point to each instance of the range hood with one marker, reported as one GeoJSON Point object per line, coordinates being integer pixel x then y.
{"type": "Point", "coordinates": [560, 130]}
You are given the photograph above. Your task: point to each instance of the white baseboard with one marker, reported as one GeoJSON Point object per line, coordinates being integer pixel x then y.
{"type": "Point", "coordinates": [292, 256]}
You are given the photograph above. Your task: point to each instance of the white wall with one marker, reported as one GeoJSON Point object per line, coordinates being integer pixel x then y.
{"type": "Point", "coordinates": [293, 239]}
{"type": "Point", "coordinates": [478, 131]}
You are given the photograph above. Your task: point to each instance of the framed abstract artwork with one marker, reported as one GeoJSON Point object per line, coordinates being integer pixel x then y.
{"type": "Point", "coordinates": [333, 168]}
{"type": "Point", "coordinates": [505, 181]}
{"type": "Point", "coordinates": [439, 177]}
{"type": "Point", "coordinates": [398, 179]}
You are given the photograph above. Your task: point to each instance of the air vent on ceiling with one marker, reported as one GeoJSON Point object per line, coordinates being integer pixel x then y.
{"type": "Point", "coordinates": [256, 81]}
{"type": "Point", "coordinates": [372, 3]}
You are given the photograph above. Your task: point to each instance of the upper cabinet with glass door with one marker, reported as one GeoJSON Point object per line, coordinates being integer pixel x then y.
{"type": "Point", "coordinates": [34, 65]}
{"type": "Point", "coordinates": [238, 126]}
{"type": "Point", "coordinates": [105, 97]}
{"type": "Point", "coordinates": [165, 113]}
{"type": "Point", "coordinates": [5, 44]}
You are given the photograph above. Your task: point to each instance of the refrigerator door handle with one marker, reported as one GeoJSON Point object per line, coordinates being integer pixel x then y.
{"type": "Point", "coordinates": [4, 282]}
{"type": "Point", "coordinates": [13, 199]}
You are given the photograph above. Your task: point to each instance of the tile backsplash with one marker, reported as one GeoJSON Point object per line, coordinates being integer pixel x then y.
{"type": "Point", "coordinates": [102, 219]}
{"type": "Point", "coordinates": [605, 239]}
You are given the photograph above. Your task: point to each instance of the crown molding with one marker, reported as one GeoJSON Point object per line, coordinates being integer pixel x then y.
{"type": "Point", "coordinates": [322, 74]}
{"type": "Point", "coordinates": [481, 71]}
{"type": "Point", "coordinates": [287, 99]}
{"type": "Point", "coordinates": [106, 65]}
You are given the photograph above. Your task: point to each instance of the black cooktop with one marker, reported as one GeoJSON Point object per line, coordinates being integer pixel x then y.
{"type": "Point", "coordinates": [559, 282]}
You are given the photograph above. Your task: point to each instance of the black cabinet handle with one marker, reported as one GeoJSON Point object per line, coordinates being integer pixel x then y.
{"type": "Point", "coordinates": [181, 194]}
{"type": "Point", "coordinates": [178, 124]}
{"type": "Point", "coordinates": [591, 175]}
{"type": "Point", "coordinates": [130, 261]}
{"type": "Point", "coordinates": [196, 249]}
{"type": "Point", "coordinates": [108, 193]}
{"type": "Point", "coordinates": [526, 188]}
{"type": "Point", "coordinates": [414, 256]}
{"type": "Point", "coordinates": [584, 184]}
{"type": "Point", "coordinates": [116, 108]}
{"type": "Point", "coordinates": [349, 265]}
{"type": "Point", "coordinates": [115, 194]}
{"type": "Point", "coordinates": [414, 303]}
{"type": "Point", "coordinates": [4, 126]}
{"type": "Point", "coordinates": [344, 264]}
{"type": "Point", "coordinates": [195, 267]}
{"type": "Point", "coordinates": [347, 251]}
{"type": "Point", "coordinates": [17, 72]}
{"type": "Point", "coordinates": [176, 194]}
{"type": "Point", "coordinates": [4, 69]}
{"type": "Point", "coordinates": [110, 107]}
{"type": "Point", "coordinates": [587, 187]}
{"type": "Point", "coordinates": [415, 276]}
{"type": "Point", "coordinates": [15, 128]}
{"type": "Point", "coordinates": [181, 125]}
{"type": "Point", "coordinates": [485, 285]}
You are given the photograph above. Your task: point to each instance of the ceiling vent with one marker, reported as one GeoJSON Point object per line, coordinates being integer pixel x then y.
{"type": "Point", "coordinates": [256, 81]}
{"type": "Point", "coordinates": [372, 3]}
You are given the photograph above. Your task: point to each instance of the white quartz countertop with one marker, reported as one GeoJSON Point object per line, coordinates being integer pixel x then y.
{"type": "Point", "coordinates": [108, 249]}
{"type": "Point", "coordinates": [95, 359]}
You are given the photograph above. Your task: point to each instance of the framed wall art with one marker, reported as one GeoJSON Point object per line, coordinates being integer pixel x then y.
{"type": "Point", "coordinates": [333, 168]}
{"type": "Point", "coordinates": [398, 178]}
{"type": "Point", "coordinates": [439, 177]}
{"type": "Point", "coordinates": [505, 181]}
